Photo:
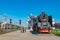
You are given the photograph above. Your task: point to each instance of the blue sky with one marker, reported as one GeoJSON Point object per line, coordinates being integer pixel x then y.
{"type": "Point", "coordinates": [20, 9]}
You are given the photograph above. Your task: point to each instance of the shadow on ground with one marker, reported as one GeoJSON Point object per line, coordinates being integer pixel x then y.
{"type": "Point", "coordinates": [35, 32]}
{"type": "Point", "coordinates": [57, 35]}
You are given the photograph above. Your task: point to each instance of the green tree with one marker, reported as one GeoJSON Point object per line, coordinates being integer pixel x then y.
{"type": "Point", "coordinates": [50, 20]}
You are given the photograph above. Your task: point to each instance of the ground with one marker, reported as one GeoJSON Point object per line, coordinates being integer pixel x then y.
{"type": "Point", "coordinates": [17, 35]}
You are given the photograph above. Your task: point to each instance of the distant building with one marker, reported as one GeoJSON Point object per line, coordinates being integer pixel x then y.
{"type": "Point", "coordinates": [57, 25]}
{"type": "Point", "coordinates": [0, 24]}
{"type": "Point", "coordinates": [8, 26]}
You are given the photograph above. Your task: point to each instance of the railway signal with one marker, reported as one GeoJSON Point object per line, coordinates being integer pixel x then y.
{"type": "Point", "coordinates": [20, 22]}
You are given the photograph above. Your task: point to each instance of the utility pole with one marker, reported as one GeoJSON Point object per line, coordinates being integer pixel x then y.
{"type": "Point", "coordinates": [5, 19]}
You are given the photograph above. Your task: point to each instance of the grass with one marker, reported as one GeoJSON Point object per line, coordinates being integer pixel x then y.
{"type": "Point", "coordinates": [56, 32]}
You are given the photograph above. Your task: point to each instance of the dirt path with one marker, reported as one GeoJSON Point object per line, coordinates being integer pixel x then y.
{"type": "Point", "coordinates": [27, 36]}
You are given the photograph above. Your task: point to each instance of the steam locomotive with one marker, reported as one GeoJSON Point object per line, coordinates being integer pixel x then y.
{"type": "Point", "coordinates": [41, 23]}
